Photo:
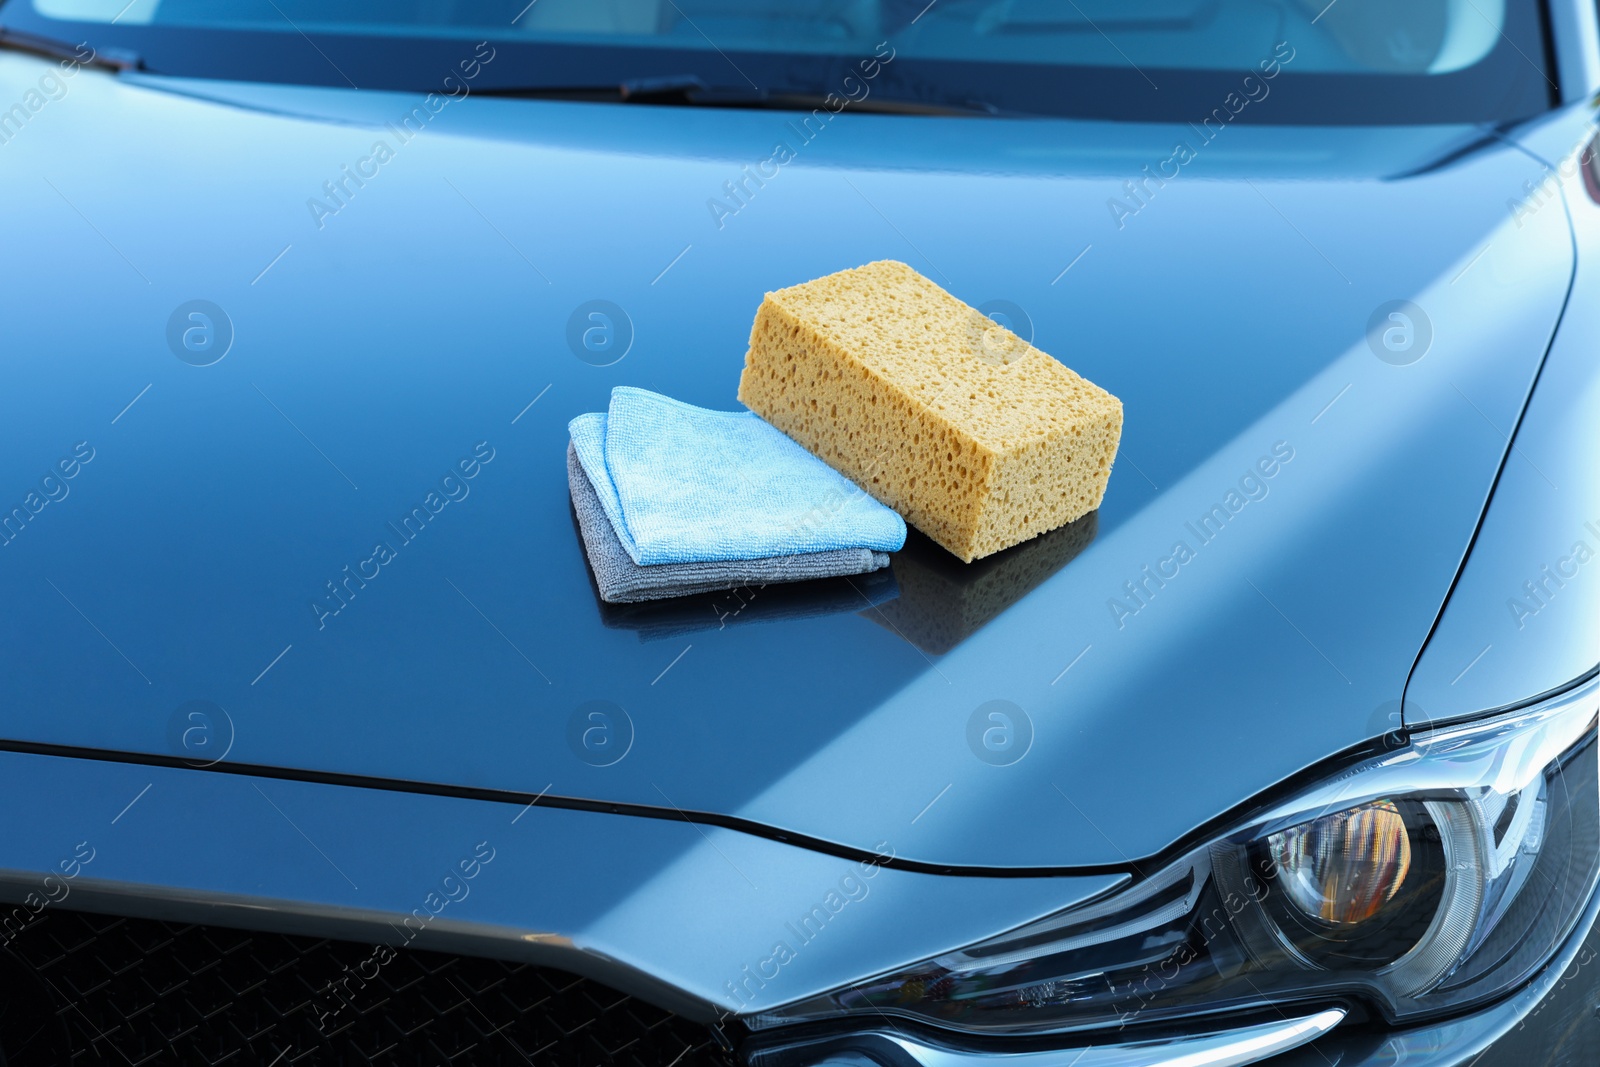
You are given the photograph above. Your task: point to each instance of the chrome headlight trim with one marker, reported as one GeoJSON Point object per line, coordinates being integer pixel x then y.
{"type": "Point", "coordinates": [1232, 1047]}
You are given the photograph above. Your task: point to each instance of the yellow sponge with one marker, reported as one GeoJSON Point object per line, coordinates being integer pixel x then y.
{"type": "Point", "coordinates": [977, 438]}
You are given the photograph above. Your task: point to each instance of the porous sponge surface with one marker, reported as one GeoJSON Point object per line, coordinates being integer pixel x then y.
{"type": "Point", "coordinates": [977, 438]}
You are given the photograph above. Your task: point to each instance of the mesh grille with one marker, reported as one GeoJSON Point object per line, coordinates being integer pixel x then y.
{"type": "Point", "coordinates": [88, 990]}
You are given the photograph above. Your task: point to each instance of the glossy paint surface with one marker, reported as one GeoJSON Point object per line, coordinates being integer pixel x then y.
{"type": "Point", "coordinates": [1525, 617]}
{"type": "Point", "coordinates": [426, 323]}
{"type": "Point", "coordinates": [581, 891]}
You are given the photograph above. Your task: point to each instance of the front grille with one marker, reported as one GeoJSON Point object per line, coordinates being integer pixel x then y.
{"type": "Point", "coordinates": [88, 990]}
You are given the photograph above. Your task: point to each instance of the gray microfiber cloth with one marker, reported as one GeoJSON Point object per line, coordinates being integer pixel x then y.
{"type": "Point", "coordinates": [750, 605]}
{"type": "Point", "coordinates": [622, 581]}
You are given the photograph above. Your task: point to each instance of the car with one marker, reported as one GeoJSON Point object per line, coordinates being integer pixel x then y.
{"type": "Point", "coordinates": [321, 747]}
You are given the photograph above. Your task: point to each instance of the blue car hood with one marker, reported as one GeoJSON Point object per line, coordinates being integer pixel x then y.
{"type": "Point", "coordinates": [345, 546]}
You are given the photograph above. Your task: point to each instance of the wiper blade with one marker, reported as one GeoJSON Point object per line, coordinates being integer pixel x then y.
{"type": "Point", "coordinates": [692, 91]}
{"type": "Point", "coordinates": [117, 59]}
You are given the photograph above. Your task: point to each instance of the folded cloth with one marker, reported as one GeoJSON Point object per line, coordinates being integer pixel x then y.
{"type": "Point", "coordinates": [662, 620]}
{"type": "Point", "coordinates": [622, 581]}
{"type": "Point", "coordinates": [683, 484]}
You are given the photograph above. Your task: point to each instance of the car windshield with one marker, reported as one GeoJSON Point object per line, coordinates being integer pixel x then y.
{"type": "Point", "coordinates": [1321, 61]}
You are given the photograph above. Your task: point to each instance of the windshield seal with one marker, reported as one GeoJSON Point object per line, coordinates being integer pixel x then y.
{"type": "Point", "coordinates": [1514, 82]}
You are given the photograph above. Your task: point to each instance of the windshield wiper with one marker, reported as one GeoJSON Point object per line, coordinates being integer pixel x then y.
{"type": "Point", "coordinates": [691, 91]}
{"type": "Point", "coordinates": [115, 59]}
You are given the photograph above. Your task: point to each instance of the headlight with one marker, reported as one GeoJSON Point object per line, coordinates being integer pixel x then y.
{"type": "Point", "coordinates": [1425, 880]}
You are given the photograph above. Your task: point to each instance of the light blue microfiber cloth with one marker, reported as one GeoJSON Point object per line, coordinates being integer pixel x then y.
{"type": "Point", "coordinates": [683, 484]}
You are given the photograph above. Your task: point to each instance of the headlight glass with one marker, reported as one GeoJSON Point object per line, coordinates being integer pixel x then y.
{"type": "Point", "coordinates": [1345, 868]}
{"type": "Point", "coordinates": [1422, 881]}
